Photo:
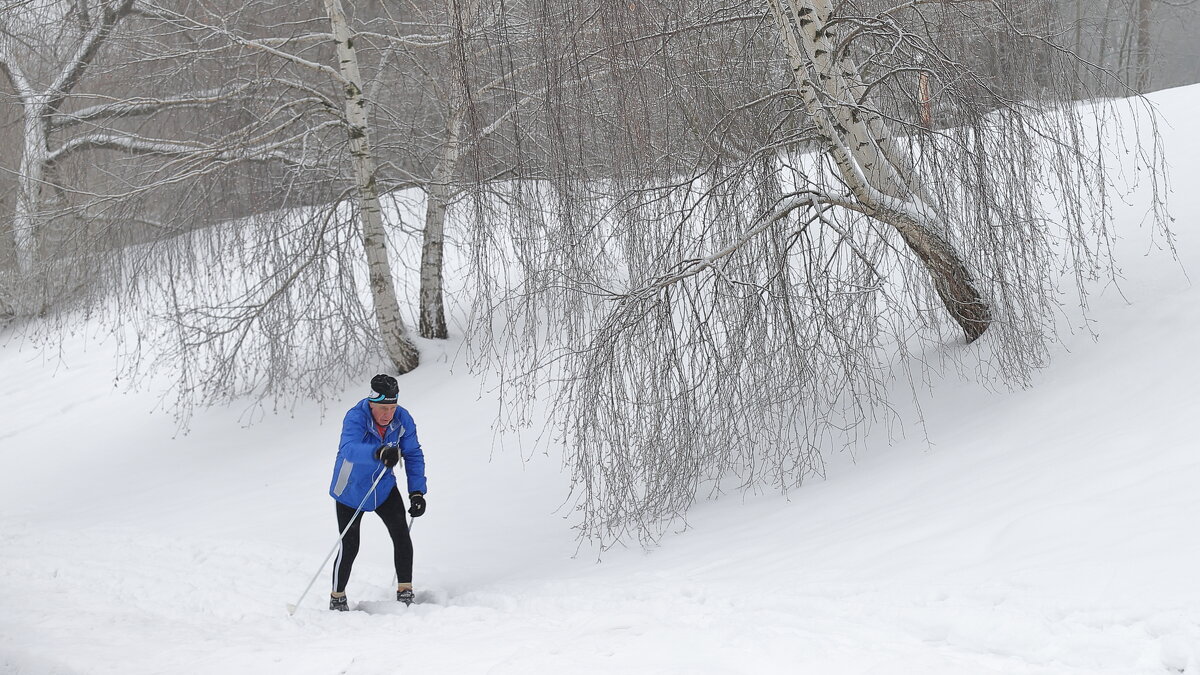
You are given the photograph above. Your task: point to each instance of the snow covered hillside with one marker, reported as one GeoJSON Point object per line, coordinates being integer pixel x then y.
{"type": "Point", "coordinates": [1052, 530]}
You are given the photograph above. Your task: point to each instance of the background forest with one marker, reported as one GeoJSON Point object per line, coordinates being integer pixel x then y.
{"type": "Point", "coordinates": [699, 225]}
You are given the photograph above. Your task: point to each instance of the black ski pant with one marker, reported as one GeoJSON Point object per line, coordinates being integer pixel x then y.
{"type": "Point", "coordinates": [391, 512]}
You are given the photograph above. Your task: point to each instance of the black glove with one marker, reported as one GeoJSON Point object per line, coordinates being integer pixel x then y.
{"type": "Point", "coordinates": [389, 455]}
{"type": "Point", "coordinates": [416, 502]}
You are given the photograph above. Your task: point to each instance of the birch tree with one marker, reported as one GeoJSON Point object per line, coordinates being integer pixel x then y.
{"type": "Point", "coordinates": [74, 118]}
{"type": "Point", "coordinates": [40, 103]}
{"type": "Point", "coordinates": [761, 237]}
{"type": "Point", "coordinates": [466, 76]}
{"type": "Point", "coordinates": [294, 130]}
{"type": "Point", "coordinates": [869, 160]}
{"type": "Point", "coordinates": [401, 350]}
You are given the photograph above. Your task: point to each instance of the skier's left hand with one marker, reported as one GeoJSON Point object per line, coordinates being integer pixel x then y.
{"type": "Point", "coordinates": [416, 502]}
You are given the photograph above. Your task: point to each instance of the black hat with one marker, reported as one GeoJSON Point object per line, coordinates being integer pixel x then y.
{"type": "Point", "coordinates": [384, 389]}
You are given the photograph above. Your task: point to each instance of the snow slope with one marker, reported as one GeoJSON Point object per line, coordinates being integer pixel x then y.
{"type": "Point", "coordinates": [1052, 530]}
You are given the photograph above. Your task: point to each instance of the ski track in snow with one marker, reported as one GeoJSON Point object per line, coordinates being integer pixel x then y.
{"type": "Point", "coordinates": [120, 602]}
{"type": "Point", "coordinates": [1047, 531]}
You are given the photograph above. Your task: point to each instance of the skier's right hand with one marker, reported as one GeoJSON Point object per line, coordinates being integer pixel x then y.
{"type": "Point", "coordinates": [389, 455]}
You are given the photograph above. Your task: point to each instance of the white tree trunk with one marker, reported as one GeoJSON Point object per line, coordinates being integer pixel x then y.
{"type": "Point", "coordinates": [29, 193]}
{"type": "Point", "coordinates": [400, 349]}
{"type": "Point", "coordinates": [433, 312]}
{"type": "Point", "coordinates": [31, 186]}
{"type": "Point", "coordinates": [37, 106]}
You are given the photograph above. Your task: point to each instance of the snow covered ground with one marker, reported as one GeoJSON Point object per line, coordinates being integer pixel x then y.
{"type": "Point", "coordinates": [1050, 530]}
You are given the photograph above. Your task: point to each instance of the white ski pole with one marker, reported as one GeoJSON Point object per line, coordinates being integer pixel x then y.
{"type": "Point", "coordinates": [292, 607]}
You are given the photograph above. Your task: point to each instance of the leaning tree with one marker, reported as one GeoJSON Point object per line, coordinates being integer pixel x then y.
{"type": "Point", "coordinates": [765, 219]}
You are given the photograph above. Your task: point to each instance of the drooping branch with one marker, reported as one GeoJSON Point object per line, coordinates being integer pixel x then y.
{"type": "Point", "coordinates": [136, 145]}
{"type": "Point", "coordinates": [138, 106]}
{"type": "Point", "coordinates": [271, 46]}
{"type": "Point", "coordinates": [689, 268]}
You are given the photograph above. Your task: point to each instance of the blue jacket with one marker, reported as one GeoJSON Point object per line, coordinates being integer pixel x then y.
{"type": "Point", "coordinates": [356, 466]}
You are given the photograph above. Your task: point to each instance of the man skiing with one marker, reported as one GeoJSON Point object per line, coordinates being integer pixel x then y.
{"type": "Point", "coordinates": [376, 434]}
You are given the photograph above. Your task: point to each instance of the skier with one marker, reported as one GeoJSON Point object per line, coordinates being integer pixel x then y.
{"type": "Point", "coordinates": [376, 434]}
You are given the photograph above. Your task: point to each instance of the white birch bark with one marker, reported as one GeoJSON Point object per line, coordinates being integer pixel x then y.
{"type": "Point", "coordinates": [34, 152]}
{"type": "Point", "coordinates": [29, 200]}
{"type": "Point", "coordinates": [863, 151]}
{"type": "Point", "coordinates": [433, 312]}
{"type": "Point", "coordinates": [31, 181]}
{"type": "Point", "coordinates": [399, 346]}
{"type": "Point", "coordinates": [37, 107]}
